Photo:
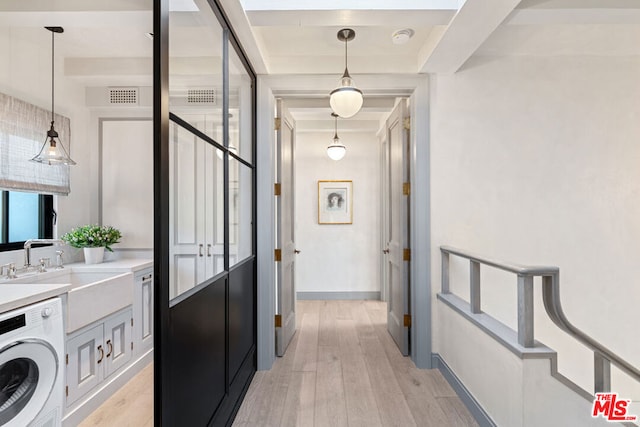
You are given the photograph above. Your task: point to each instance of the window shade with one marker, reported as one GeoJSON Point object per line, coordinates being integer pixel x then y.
{"type": "Point", "coordinates": [23, 130]}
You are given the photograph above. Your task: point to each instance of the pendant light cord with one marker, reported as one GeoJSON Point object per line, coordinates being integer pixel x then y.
{"type": "Point", "coordinates": [52, 73]}
{"type": "Point", "coordinates": [335, 135]}
{"type": "Point", "coordinates": [345, 54]}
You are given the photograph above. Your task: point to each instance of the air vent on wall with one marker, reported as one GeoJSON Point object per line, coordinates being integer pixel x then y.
{"type": "Point", "coordinates": [123, 96]}
{"type": "Point", "coordinates": [201, 96]}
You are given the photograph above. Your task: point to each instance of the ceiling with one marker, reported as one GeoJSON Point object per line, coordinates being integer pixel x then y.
{"type": "Point", "coordinates": [105, 41]}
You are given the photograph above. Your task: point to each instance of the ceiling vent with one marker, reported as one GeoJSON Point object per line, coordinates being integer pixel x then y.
{"type": "Point", "coordinates": [123, 96]}
{"type": "Point", "coordinates": [201, 96]}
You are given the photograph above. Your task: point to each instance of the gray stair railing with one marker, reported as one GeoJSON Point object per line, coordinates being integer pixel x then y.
{"type": "Point", "coordinates": [602, 356]}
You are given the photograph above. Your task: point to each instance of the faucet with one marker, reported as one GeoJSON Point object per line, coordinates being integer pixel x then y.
{"type": "Point", "coordinates": [27, 248]}
{"type": "Point", "coordinates": [11, 270]}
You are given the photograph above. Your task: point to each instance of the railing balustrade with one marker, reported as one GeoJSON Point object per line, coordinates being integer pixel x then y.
{"type": "Point", "coordinates": [603, 357]}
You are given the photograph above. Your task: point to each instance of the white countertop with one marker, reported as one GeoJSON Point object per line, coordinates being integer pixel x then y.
{"type": "Point", "coordinates": [19, 294]}
{"type": "Point", "coordinates": [121, 265]}
{"type": "Point", "coordinates": [14, 295]}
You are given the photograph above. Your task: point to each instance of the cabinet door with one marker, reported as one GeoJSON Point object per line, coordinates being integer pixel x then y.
{"type": "Point", "coordinates": [210, 160]}
{"type": "Point", "coordinates": [85, 357]}
{"type": "Point", "coordinates": [186, 222]}
{"type": "Point", "coordinates": [118, 344]}
{"type": "Point", "coordinates": [143, 313]}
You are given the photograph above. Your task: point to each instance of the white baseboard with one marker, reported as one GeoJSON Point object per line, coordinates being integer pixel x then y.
{"type": "Point", "coordinates": [373, 295]}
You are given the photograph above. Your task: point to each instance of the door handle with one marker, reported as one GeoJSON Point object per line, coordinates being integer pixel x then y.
{"type": "Point", "coordinates": [110, 348]}
{"type": "Point", "coordinates": [101, 350]}
{"type": "Point", "coordinates": [208, 249]}
{"type": "Point", "coordinates": [200, 246]}
{"type": "Point", "coordinates": [295, 251]}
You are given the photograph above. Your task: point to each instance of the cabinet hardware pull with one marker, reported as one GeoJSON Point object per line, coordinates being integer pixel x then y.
{"type": "Point", "coordinates": [209, 249]}
{"type": "Point", "coordinates": [145, 278]}
{"type": "Point", "coordinates": [110, 348]}
{"type": "Point", "coordinates": [101, 350]}
{"type": "Point", "coordinates": [200, 246]}
{"type": "Point", "coordinates": [385, 251]}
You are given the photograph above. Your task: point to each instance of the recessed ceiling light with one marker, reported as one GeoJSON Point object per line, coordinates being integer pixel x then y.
{"type": "Point", "coordinates": [402, 36]}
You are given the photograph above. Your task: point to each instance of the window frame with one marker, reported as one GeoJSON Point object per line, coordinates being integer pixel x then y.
{"type": "Point", "coordinates": [46, 220]}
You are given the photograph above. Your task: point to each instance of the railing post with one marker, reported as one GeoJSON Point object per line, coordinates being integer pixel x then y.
{"type": "Point", "coordinates": [474, 291]}
{"type": "Point", "coordinates": [601, 373]}
{"type": "Point", "coordinates": [525, 311]}
{"type": "Point", "coordinates": [445, 272]}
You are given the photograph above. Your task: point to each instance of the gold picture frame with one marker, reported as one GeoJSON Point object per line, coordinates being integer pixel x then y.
{"type": "Point", "coordinates": [335, 202]}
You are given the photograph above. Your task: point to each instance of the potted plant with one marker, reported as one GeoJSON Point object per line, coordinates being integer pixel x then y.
{"type": "Point", "coordinates": [93, 239]}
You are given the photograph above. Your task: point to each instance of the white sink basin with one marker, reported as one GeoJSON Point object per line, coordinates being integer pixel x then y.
{"type": "Point", "coordinates": [65, 276]}
{"type": "Point", "coordinates": [93, 295]}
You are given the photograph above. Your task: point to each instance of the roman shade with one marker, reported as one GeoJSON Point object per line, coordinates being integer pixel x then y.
{"type": "Point", "coordinates": [23, 129]}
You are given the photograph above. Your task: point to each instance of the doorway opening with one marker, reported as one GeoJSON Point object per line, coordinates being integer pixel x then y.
{"type": "Point", "coordinates": [356, 248]}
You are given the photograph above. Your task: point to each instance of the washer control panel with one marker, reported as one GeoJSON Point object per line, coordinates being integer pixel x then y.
{"type": "Point", "coordinates": [29, 317]}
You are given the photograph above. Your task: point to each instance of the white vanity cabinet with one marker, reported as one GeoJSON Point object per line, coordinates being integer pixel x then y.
{"type": "Point", "coordinates": [101, 356]}
{"type": "Point", "coordinates": [96, 352]}
{"type": "Point", "coordinates": [143, 311]}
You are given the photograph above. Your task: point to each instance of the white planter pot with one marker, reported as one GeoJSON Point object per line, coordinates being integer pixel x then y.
{"type": "Point", "coordinates": [93, 255]}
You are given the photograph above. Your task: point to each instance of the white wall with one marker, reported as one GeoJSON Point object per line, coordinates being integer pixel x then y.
{"type": "Point", "coordinates": [338, 258]}
{"type": "Point", "coordinates": [536, 160]}
{"type": "Point", "coordinates": [25, 73]}
{"type": "Point", "coordinates": [514, 392]}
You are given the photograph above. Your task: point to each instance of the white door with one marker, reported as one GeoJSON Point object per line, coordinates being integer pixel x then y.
{"type": "Point", "coordinates": [285, 284]}
{"type": "Point", "coordinates": [384, 215]}
{"type": "Point", "coordinates": [398, 256]}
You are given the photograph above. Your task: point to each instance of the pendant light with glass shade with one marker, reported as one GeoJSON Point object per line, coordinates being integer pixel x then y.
{"type": "Point", "coordinates": [346, 99]}
{"type": "Point", "coordinates": [336, 150]}
{"type": "Point", "coordinates": [53, 151]}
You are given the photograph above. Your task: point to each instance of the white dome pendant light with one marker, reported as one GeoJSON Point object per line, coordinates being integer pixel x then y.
{"type": "Point", "coordinates": [53, 151]}
{"type": "Point", "coordinates": [346, 99]}
{"type": "Point", "coordinates": [336, 150]}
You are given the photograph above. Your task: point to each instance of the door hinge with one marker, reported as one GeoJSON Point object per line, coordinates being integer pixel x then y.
{"type": "Point", "coordinates": [407, 123]}
{"type": "Point", "coordinates": [131, 345]}
{"type": "Point", "coordinates": [406, 188]}
{"type": "Point", "coordinates": [277, 189]}
{"type": "Point", "coordinates": [407, 320]}
{"type": "Point", "coordinates": [132, 322]}
{"type": "Point", "coordinates": [278, 321]}
{"type": "Point", "coordinates": [276, 123]}
{"type": "Point", "coordinates": [406, 255]}
{"type": "Point", "coordinates": [67, 359]}
{"type": "Point", "coordinates": [277, 256]}
{"type": "Point", "coordinates": [67, 390]}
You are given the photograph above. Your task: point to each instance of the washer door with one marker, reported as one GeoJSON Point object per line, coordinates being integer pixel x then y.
{"type": "Point", "coordinates": [28, 370]}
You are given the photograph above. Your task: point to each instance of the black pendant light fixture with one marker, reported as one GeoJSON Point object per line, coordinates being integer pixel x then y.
{"type": "Point", "coordinates": [346, 99]}
{"type": "Point", "coordinates": [53, 151]}
{"type": "Point", "coordinates": [336, 150]}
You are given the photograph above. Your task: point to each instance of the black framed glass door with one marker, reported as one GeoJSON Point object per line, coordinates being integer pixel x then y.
{"type": "Point", "coordinates": [204, 192]}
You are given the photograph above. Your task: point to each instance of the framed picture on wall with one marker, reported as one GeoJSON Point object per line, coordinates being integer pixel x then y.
{"type": "Point", "coordinates": [335, 202]}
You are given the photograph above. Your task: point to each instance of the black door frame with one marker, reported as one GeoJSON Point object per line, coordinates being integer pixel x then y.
{"type": "Point", "coordinates": [163, 407]}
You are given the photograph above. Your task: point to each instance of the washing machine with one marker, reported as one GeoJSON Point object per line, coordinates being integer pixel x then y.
{"type": "Point", "coordinates": [31, 370]}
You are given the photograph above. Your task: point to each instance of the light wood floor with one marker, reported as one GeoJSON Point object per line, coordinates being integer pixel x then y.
{"type": "Point", "coordinates": [131, 406]}
{"type": "Point", "coordinates": [342, 368]}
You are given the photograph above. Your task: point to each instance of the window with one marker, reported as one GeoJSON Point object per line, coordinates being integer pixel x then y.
{"type": "Point", "coordinates": [24, 216]}
{"type": "Point", "coordinates": [22, 132]}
